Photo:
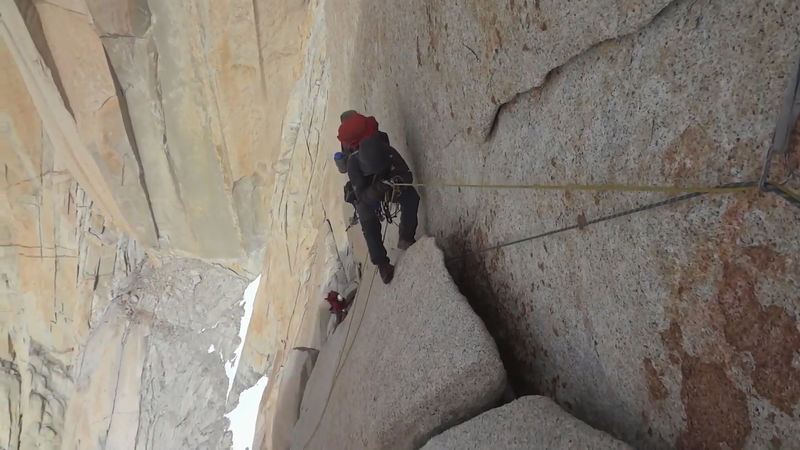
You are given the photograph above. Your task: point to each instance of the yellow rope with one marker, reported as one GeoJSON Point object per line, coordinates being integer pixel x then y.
{"type": "Point", "coordinates": [788, 192]}
{"type": "Point", "coordinates": [599, 187]}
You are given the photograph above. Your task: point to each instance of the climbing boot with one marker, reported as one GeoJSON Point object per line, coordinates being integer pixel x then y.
{"type": "Point", "coordinates": [403, 244]}
{"type": "Point", "coordinates": [387, 272]}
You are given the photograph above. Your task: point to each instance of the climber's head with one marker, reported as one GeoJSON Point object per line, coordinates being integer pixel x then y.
{"type": "Point", "coordinates": [355, 128]}
{"type": "Point", "coordinates": [348, 114]}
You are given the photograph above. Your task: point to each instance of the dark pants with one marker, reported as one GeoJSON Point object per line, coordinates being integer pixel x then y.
{"type": "Point", "coordinates": [371, 227]}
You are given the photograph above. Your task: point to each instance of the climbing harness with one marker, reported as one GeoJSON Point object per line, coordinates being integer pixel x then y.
{"type": "Point", "coordinates": [389, 209]}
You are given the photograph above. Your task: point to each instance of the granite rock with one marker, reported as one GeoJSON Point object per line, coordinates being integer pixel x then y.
{"type": "Point", "coordinates": [411, 359]}
{"type": "Point", "coordinates": [526, 423]}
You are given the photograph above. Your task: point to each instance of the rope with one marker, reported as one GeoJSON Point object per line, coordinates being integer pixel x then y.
{"type": "Point", "coordinates": [780, 190]}
{"type": "Point", "coordinates": [750, 187]}
{"type": "Point", "coordinates": [733, 188]}
{"type": "Point", "coordinates": [345, 352]}
{"type": "Point", "coordinates": [340, 360]}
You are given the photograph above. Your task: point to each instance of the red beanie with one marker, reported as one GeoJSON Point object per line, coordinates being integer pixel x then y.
{"type": "Point", "coordinates": [355, 129]}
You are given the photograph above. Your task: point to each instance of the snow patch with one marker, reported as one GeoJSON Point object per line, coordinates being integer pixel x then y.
{"type": "Point", "coordinates": [243, 417]}
{"type": "Point", "coordinates": [211, 348]}
{"type": "Point", "coordinates": [248, 300]}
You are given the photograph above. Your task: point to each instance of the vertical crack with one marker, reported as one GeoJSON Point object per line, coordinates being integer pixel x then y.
{"type": "Point", "coordinates": [126, 121]}
{"type": "Point", "coordinates": [116, 384]}
{"type": "Point", "coordinates": [33, 22]}
{"type": "Point", "coordinates": [96, 276]}
{"type": "Point", "coordinates": [171, 166]}
{"type": "Point", "coordinates": [263, 74]}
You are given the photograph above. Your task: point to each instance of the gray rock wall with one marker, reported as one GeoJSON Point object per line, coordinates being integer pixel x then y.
{"type": "Point", "coordinates": [293, 379]}
{"type": "Point", "coordinates": [625, 323]}
{"type": "Point", "coordinates": [146, 378]}
{"type": "Point", "coordinates": [530, 422]}
{"type": "Point", "coordinates": [411, 359]}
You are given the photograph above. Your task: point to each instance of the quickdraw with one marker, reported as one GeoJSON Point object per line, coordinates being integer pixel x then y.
{"type": "Point", "coordinates": [388, 210]}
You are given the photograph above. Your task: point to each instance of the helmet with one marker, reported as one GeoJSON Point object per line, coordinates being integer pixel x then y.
{"type": "Point", "coordinates": [355, 128]}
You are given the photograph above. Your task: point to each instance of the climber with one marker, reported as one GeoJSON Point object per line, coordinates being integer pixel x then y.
{"type": "Point", "coordinates": [353, 129]}
{"type": "Point", "coordinates": [372, 164]}
{"type": "Point", "coordinates": [373, 170]}
{"type": "Point", "coordinates": [338, 305]}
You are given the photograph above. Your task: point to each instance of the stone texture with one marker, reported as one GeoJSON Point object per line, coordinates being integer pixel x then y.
{"type": "Point", "coordinates": [147, 361]}
{"type": "Point", "coordinates": [80, 60]}
{"type": "Point", "coordinates": [530, 422]}
{"type": "Point", "coordinates": [110, 159]}
{"type": "Point", "coordinates": [58, 261]}
{"type": "Point", "coordinates": [170, 103]}
{"type": "Point", "coordinates": [685, 93]}
{"type": "Point", "coordinates": [411, 359]}
{"type": "Point", "coordinates": [205, 130]}
{"type": "Point", "coordinates": [293, 379]}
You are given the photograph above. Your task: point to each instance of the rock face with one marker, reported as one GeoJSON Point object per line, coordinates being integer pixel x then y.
{"type": "Point", "coordinates": [526, 423]}
{"type": "Point", "coordinates": [198, 135]}
{"type": "Point", "coordinates": [138, 154]}
{"type": "Point", "coordinates": [294, 377]}
{"type": "Point", "coordinates": [410, 360]}
{"type": "Point", "coordinates": [148, 361]}
{"type": "Point", "coordinates": [171, 112]}
{"type": "Point", "coordinates": [59, 258]}
{"type": "Point", "coordinates": [627, 322]}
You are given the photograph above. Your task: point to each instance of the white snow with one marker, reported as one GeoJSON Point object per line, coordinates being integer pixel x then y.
{"type": "Point", "coordinates": [248, 300]}
{"type": "Point", "coordinates": [243, 417]}
{"type": "Point", "coordinates": [211, 348]}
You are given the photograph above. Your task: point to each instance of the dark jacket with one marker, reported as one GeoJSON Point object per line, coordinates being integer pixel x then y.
{"type": "Point", "coordinates": [368, 186]}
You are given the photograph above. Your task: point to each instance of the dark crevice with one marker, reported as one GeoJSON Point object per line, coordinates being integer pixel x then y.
{"type": "Point", "coordinates": [124, 342]}
{"type": "Point", "coordinates": [171, 167]}
{"type": "Point", "coordinates": [496, 118]}
{"type": "Point", "coordinates": [494, 123]}
{"type": "Point", "coordinates": [126, 121]}
{"type": "Point", "coordinates": [256, 13]}
{"type": "Point", "coordinates": [471, 51]}
{"type": "Point", "coordinates": [34, 24]}
{"type": "Point", "coordinates": [116, 36]}
{"type": "Point", "coordinates": [106, 100]}
{"type": "Point", "coordinates": [19, 432]}
{"type": "Point", "coordinates": [96, 276]}
{"type": "Point", "coordinates": [474, 282]}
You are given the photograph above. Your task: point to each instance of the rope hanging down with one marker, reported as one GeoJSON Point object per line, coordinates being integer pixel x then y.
{"type": "Point", "coordinates": [345, 352]}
